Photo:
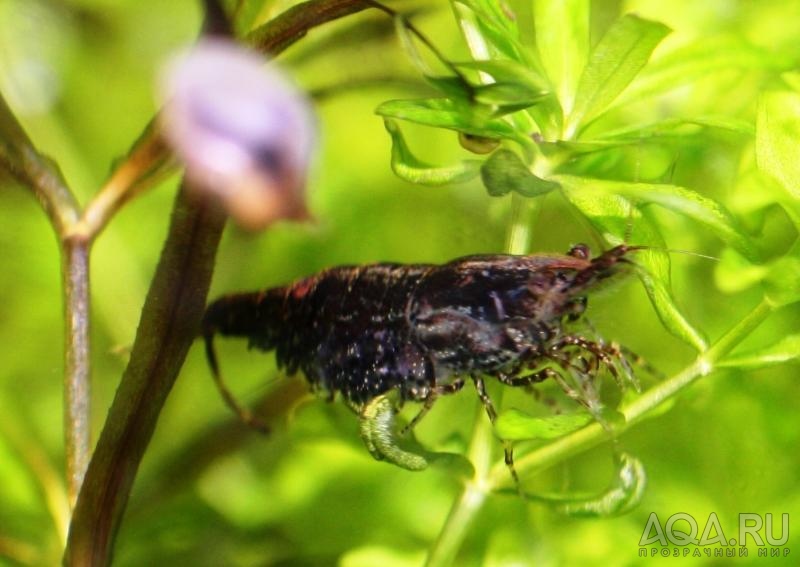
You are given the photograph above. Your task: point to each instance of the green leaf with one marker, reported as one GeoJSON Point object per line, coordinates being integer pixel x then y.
{"type": "Point", "coordinates": [516, 95]}
{"type": "Point", "coordinates": [444, 113]}
{"type": "Point", "coordinates": [678, 199]}
{"type": "Point", "coordinates": [782, 282]}
{"type": "Point", "coordinates": [613, 215]}
{"type": "Point", "coordinates": [777, 136]}
{"type": "Point", "coordinates": [623, 496]}
{"type": "Point", "coordinates": [505, 172]}
{"type": "Point", "coordinates": [780, 278]}
{"type": "Point", "coordinates": [734, 273]}
{"type": "Point", "coordinates": [408, 41]}
{"type": "Point", "coordinates": [677, 127]}
{"type": "Point", "coordinates": [515, 425]}
{"type": "Point", "coordinates": [785, 350]}
{"type": "Point", "coordinates": [718, 54]}
{"type": "Point", "coordinates": [507, 71]}
{"type": "Point", "coordinates": [452, 86]}
{"type": "Point", "coordinates": [406, 166]}
{"type": "Point", "coordinates": [658, 289]}
{"type": "Point", "coordinates": [496, 27]}
{"type": "Point", "coordinates": [562, 36]}
{"type": "Point", "coordinates": [615, 61]}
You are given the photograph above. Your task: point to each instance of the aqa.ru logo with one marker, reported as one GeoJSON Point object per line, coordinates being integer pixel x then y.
{"type": "Point", "coordinates": [682, 529]}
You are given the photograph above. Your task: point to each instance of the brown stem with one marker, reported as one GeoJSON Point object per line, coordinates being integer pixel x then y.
{"type": "Point", "coordinates": [145, 165]}
{"type": "Point", "coordinates": [40, 175]}
{"type": "Point", "coordinates": [170, 320]}
{"type": "Point", "coordinates": [77, 367]}
{"type": "Point", "coordinates": [36, 172]}
{"type": "Point", "coordinates": [284, 30]}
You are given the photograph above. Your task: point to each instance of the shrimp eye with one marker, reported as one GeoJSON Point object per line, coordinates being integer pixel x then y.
{"type": "Point", "coordinates": [580, 251]}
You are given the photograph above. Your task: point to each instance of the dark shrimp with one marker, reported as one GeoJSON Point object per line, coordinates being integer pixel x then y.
{"type": "Point", "coordinates": [418, 330]}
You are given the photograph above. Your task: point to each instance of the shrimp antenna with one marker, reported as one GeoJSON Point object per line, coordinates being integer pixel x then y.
{"type": "Point", "coordinates": [629, 230]}
{"type": "Point", "coordinates": [675, 251]}
{"type": "Point", "coordinates": [691, 253]}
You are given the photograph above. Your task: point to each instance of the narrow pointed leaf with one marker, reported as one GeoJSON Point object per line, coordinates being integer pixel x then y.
{"type": "Point", "coordinates": [678, 199]}
{"type": "Point", "coordinates": [562, 36]}
{"type": "Point", "coordinates": [780, 278]}
{"type": "Point", "coordinates": [777, 136]}
{"type": "Point", "coordinates": [668, 312]}
{"type": "Point", "coordinates": [718, 54]}
{"type": "Point", "coordinates": [452, 86]}
{"type": "Point", "coordinates": [515, 425]}
{"type": "Point", "coordinates": [406, 166]}
{"type": "Point", "coordinates": [408, 41]}
{"type": "Point", "coordinates": [734, 273]}
{"type": "Point", "coordinates": [518, 95]}
{"type": "Point", "coordinates": [677, 127]}
{"type": "Point", "coordinates": [615, 61]}
{"type": "Point", "coordinates": [496, 26]}
{"type": "Point", "coordinates": [444, 113]}
{"type": "Point", "coordinates": [507, 71]}
{"type": "Point", "coordinates": [785, 350]}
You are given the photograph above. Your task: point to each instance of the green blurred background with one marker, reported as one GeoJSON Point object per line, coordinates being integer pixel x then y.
{"type": "Point", "coordinates": [80, 74]}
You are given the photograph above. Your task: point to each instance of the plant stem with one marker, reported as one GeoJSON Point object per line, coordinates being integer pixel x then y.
{"type": "Point", "coordinates": [461, 516]}
{"type": "Point", "coordinates": [293, 24]}
{"type": "Point", "coordinates": [77, 430]}
{"type": "Point", "coordinates": [170, 322]}
{"type": "Point", "coordinates": [170, 319]}
{"type": "Point", "coordinates": [37, 173]}
{"type": "Point", "coordinates": [471, 498]}
{"type": "Point", "coordinates": [523, 210]}
{"type": "Point", "coordinates": [138, 171]}
{"type": "Point", "coordinates": [637, 410]}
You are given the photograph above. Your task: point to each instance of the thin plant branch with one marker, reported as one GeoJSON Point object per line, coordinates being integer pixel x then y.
{"type": "Point", "coordinates": [147, 163]}
{"type": "Point", "coordinates": [470, 499]}
{"type": "Point", "coordinates": [38, 174]}
{"type": "Point", "coordinates": [293, 24]}
{"type": "Point", "coordinates": [77, 366]}
{"type": "Point", "coordinates": [170, 319]}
